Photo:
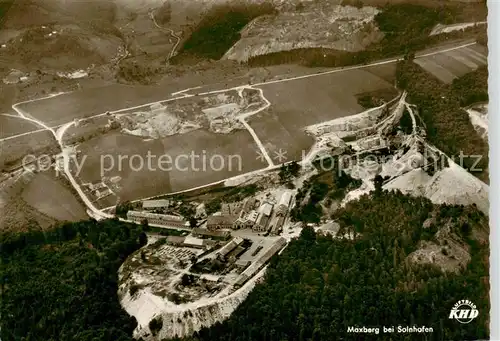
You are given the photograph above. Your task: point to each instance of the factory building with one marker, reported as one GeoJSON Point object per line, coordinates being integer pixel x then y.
{"type": "Point", "coordinates": [204, 233]}
{"type": "Point", "coordinates": [284, 203]}
{"type": "Point", "coordinates": [266, 209]}
{"type": "Point", "coordinates": [156, 204]}
{"type": "Point", "coordinates": [261, 223]}
{"type": "Point", "coordinates": [260, 262]}
{"type": "Point", "coordinates": [277, 228]}
{"type": "Point", "coordinates": [166, 220]}
{"type": "Point", "coordinates": [246, 220]}
{"type": "Point", "coordinates": [233, 208]}
{"type": "Point", "coordinates": [263, 218]}
{"type": "Point", "coordinates": [220, 222]}
{"type": "Point", "coordinates": [226, 249]}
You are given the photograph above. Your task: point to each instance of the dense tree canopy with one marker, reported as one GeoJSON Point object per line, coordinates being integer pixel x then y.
{"type": "Point", "coordinates": [62, 284]}
{"type": "Point", "coordinates": [441, 108]}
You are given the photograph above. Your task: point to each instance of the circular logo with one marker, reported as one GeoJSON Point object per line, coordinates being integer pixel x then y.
{"type": "Point", "coordinates": [464, 311]}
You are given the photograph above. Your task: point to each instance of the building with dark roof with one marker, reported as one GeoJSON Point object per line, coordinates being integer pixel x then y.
{"type": "Point", "coordinates": [204, 233]}
{"type": "Point", "coordinates": [220, 222]}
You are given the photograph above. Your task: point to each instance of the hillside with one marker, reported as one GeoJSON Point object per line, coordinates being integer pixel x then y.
{"type": "Point", "coordinates": [60, 35]}
{"type": "Point", "coordinates": [319, 286]}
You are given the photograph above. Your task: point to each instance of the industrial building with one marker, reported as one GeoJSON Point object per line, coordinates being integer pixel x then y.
{"type": "Point", "coordinates": [156, 204]}
{"type": "Point", "coordinates": [278, 226]}
{"type": "Point", "coordinates": [266, 209]}
{"type": "Point", "coordinates": [166, 220]}
{"type": "Point", "coordinates": [194, 242]}
{"type": "Point", "coordinates": [260, 262]}
{"type": "Point", "coordinates": [263, 218]}
{"type": "Point", "coordinates": [261, 223]}
{"type": "Point", "coordinates": [189, 241]}
{"type": "Point", "coordinates": [204, 233]}
{"type": "Point", "coordinates": [220, 222]}
{"type": "Point", "coordinates": [242, 223]}
{"type": "Point", "coordinates": [231, 209]}
{"type": "Point", "coordinates": [284, 203]}
{"type": "Point", "coordinates": [226, 249]}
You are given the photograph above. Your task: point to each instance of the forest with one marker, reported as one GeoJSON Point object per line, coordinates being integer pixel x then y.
{"type": "Point", "coordinates": [320, 286]}
{"type": "Point", "coordinates": [441, 106]}
{"type": "Point", "coordinates": [4, 7]}
{"type": "Point", "coordinates": [62, 284]}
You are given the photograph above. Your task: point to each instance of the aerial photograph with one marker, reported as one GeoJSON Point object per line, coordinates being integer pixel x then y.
{"type": "Point", "coordinates": [244, 170]}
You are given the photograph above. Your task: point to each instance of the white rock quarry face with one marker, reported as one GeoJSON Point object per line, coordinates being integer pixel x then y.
{"type": "Point", "coordinates": [73, 75]}
{"type": "Point", "coordinates": [452, 185]}
{"type": "Point", "coordinates": [179, 320]}
{"type": "Point", "coordinates": [338, 27]}
{"type": "Point", "coordinates": [411, 160]}
{"type": "Point", "coordinates": [479, 118]}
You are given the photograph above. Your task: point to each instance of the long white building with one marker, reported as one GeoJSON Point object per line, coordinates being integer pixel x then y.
{"type": "Point", "coordinates": [284, 203]}
{"type": "Point", "coordinates": [166, 220]}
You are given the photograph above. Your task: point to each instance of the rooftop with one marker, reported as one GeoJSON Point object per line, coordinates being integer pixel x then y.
{"type": "Point", "coordinates": [221, 220]}
{"type": "Point", "coordinates": [266, 209]}
{"type": "Point", "coordinates": [156, 203]}
{"type": "Point", "coordinates": [206, 232]}
{"type": "Point", "coordinates": [194, 241]}
{"type": "Point", "coordinates": [147, 215]}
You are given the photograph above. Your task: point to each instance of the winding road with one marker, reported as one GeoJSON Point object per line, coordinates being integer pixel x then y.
{"type": "Point", "coordinates": [171, 32]}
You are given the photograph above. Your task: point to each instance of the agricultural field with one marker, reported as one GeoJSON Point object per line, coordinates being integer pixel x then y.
{"type": "Point", "coordinates": [454, 64]}
{"type": "Point", "coordinates": [300, 103]}
{"type": "Point", "coordinates": [12, 151]}
{"type": "Point", "coordinates": [237, 149]}
{"type": "Point", "coordinates": [90, 102]}
{"type": "Point", "coordinates": [387, 72]}
{"type": "Point", "coordinates": [86, 129]}
{"type": "Point", "coordinates": [37, 201]}
{"type": "Point", "coordinates": [10, 126]}
{"type": "Point", "coordinates": [52, 195]}
{"type": "Point", "coordinates": [7, 94]}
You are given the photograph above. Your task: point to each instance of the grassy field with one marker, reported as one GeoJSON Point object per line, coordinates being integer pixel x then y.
{"type": "Point", "coordinates": [15, 213]}
{"type": "Point", "coordinates": [87, 129]}
{"type": "Point", "coordinates": [91, 102]}
{"type": "Point", "coordinates": [47, 194]}
{"type": "Point", "coordinates": [237, 150]}
{"type": "Point", "coordinates": [37, 201]}
{"type": "Point", "coordinates": [300, 103]}
{"type": "Point", "coordinates": [8, 92]}
{"type": "Point", "coordinates": [116, 144]}
{"type": "Point", "coordinates": [10, 126]}
{"type": "Point", "coordinates": [12, 151]}
{"type": "Point", "coordinates": [454, 64]}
